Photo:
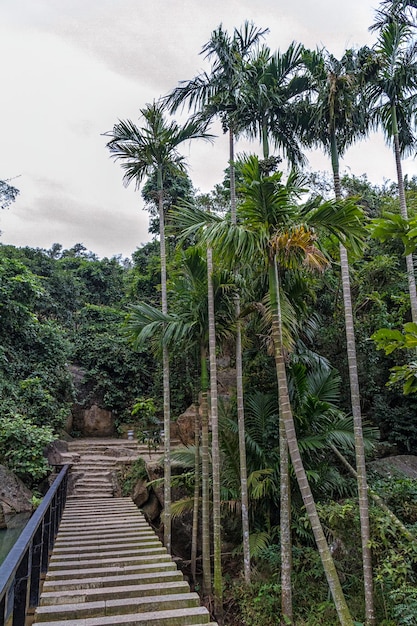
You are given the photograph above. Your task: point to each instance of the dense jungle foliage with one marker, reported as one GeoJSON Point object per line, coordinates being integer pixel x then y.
{"type": "Point", "coordinates": [62, 309]}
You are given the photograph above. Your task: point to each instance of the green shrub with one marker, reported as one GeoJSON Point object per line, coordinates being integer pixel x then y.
{"type": "Point", "coordinates": [22, 446]}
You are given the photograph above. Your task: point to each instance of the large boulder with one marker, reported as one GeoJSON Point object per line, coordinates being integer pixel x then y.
{"type": "Point", "coordinates": [97, 422]}
{"type": "Point", "coordinates": [14, 496]}
{"type": "Point", "coordinates": [185, 426]}
{"type": "Point", "coordinates": [140, 493]}
{"type": "Point", "coordinates": [405, 464]}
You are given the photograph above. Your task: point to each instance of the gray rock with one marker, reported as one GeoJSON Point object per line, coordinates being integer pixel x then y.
{"type": "Point", "coordinates": [140, 493]}
{"type": "Point", "coordinates": [14, 496]}
{"type": "Point", "coordinates": [394, 465]}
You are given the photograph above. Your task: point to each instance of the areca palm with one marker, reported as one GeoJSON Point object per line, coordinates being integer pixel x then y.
{"type": "Point", "coordinates": [273, 228]}
{"type": "Point", "coordinates": [393, 89]}
{"type": "Point", "coordinates": [142, 152]}
{"type": "Point", "coordinates": [338, 117]}
{"type": "Point", "coordinates": [267, 111]}
{"type": "Point", "coordinates": [189, 327]}
{"type": "Point", "coordinates": [219, 94]}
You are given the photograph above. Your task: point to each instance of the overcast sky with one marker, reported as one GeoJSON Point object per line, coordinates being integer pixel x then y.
{"type": "Point", "coordinates": [70, 69]}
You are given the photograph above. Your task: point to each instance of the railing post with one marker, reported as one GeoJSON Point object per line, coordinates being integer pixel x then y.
{"type": "Point", "coordinates": [21, 590]}
{"type": "Point", "coordinates": [34, 591]}
{"type": "Point", "coordinates": [45, 541]}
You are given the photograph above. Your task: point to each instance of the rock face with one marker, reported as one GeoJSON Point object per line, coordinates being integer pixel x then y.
{"type": "Point", "coordinates": [94, 422]}
{"type": "Point", "coordinates": [88, 418]}
{"type": "Point", "coordinates": [402, 464]}
{"type": "Point", "coordinates": [185, 426]}
{"type": "Point", "coordinates": [14, 496]}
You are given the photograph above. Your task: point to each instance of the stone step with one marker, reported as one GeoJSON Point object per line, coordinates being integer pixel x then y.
{"type": "Point", "coordinates": [92, 572]}
{"type": "Point", "coordinates": [118, 606]}
{"type": "Point", "coordinates": [194, 616]}
{"type": "Point", "coordinates": [99, 582]}
{"type": "Point", "coordinates": [139, 559]}
{"type": "Point", "coordinates": [84, 490]}
{"type": "Point", "coordinates": [111, 554]}
{"type": "Point", "coordinates": [102, 539]}
{"type": "Point", "coordinates": [104, 547]}
{"type": "Point", "coordinates": [77, 596]}
{"type": "Point", "coordinates": [113, 519]}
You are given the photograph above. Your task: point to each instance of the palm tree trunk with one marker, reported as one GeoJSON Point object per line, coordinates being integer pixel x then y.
{"type": "Point", "coordinates": [205, 478]}
{"type": "Point", "coordinates": [218, 582]}
{"type": "Point", "coordinates": [165, 369]}
{"type": "Point", "coordinates": [196, 507]}
{"type": "Point", "coordinates": [403, 208]}
{"type": "Point", "coordinates": [357, 415]}
{"type": "Point", "coordinates": [242, 446]}
{"type": "Point", "coordinates": [285, 528]}
{"type": "Point", "coordinates": [239, 388]}
{"type": "Point", "coordinates": [288, 421]}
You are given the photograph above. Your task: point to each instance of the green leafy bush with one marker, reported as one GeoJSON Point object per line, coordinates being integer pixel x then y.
{"type": "Point", "coordinates": [22, 446]}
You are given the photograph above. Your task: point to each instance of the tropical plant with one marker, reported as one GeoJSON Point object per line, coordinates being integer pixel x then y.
{"type": "Point", "coordinates": [337, 117]}
{"type": "Point", "coordinates": [273, 228]}
{"type": "Point", "coordinates": [143, 152]}
{"type": "Point", "coordinates": [392, 89]}
{"type": "Point", "coordinates": [219, 93]}
{"type": "Point", "coordinates": [189, 327]}
{"type": "Point", "coordinates": [267, 110]}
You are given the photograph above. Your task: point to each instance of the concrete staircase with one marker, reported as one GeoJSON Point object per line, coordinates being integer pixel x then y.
{"type": "Point", "coordinates": [108, 567]}
{"type": "Point", "coordinates": [96, 461]}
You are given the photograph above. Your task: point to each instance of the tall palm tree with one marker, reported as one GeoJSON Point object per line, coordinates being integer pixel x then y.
{"type": "Point", "coordinates": [219, 94]}
{"type": "Point", "coordinates": [143, 152]}
{"type": "Point", "coordinates": [271, 226]}
{"type": "Point", "coordinates": [393, 90]}
{"type": "Point", "coordinates": [188, 327]}
{"type": "Point", "coordinates": [267, 108]}
{"type": "Point", "coordinates": [337, 117]}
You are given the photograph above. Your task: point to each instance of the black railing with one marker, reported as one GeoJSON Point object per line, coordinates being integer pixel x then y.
{"type": "Point", "coordinates": [21, 572]}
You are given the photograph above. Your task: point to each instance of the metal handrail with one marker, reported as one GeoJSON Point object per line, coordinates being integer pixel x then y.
{"type": "Point", "coordinates": [21, 571]}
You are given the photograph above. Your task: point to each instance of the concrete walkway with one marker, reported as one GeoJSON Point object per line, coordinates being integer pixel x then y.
{"type": "Point", "coordinates": [108, 568]}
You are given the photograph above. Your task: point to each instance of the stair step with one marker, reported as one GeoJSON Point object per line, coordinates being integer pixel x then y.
{"type": "Point", "coordinates": [118, 606]}
{"type": "Point", "coordinates": [137, 568]}
{"type": "Point", "coordinates": [77, 596]}
{"type": "Point", "coordinates": [105, 547]}
{"type": "Point", "coordinates": [99, 582]}
{"type": "Point", "coordinates": [116, 554]}
{"type": "Point", "coordinates": [175, 617]}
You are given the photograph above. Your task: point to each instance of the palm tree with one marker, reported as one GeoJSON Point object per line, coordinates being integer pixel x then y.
{"type": "Point", "coordinates": [337, 117]}
{"type": "Point", "coordinates": [219, 94]}
{"type": "Point", "coordinates": [267, 109]}
{"type": "Point", "coordinates": [392, 89]}
{"type": "Point", "coordinates": [272, 227]}
{"type": "Point", "coordinates": [143, 152]}
{"type": "Point", "coordinates": [189, 328]}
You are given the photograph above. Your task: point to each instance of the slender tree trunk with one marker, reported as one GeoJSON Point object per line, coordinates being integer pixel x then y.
{"type": "Point", "coordinates": [357, 416]}
{"type": "Point", "coordinates": [196, 507]}
{"type": "Point", "coordinates": [342, 609]}
{"type": "Point", "coordinates": [218, 582]}
{"type": "Point", "coordinates": [285, 527]}
{"type": "Point", "coordinates": [242, 447]}
{"type": "Point", "coordinates": [239, 389]}
{"type": "Point", "coordinates": [403, 208]}
{"type": "Point", "coordinates": [165, 368]}
{"type": "Point", "coordinates": [205, 479]}
{"type": "Point", "coordinates": [232, 175]}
